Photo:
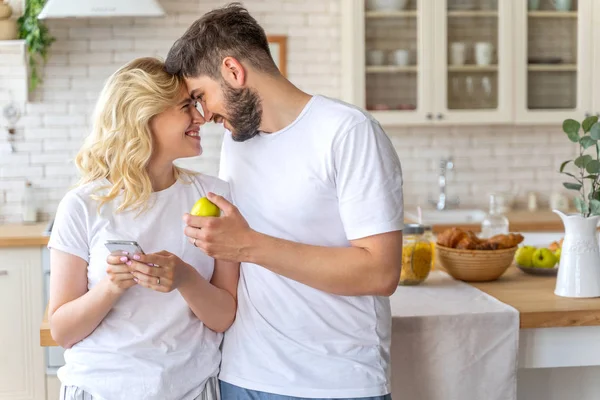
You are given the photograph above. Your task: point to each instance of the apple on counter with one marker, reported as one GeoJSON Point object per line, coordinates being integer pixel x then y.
{"type": "Point", "coordinates": [543, 258]}
{"type": "Point", "coordinates": [531, 258]}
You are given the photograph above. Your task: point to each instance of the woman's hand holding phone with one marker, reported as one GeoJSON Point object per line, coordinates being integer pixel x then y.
{"type": "Point", "coordinates": [119, 273]}
{"type": "Point", "coordinates": [162, 271]}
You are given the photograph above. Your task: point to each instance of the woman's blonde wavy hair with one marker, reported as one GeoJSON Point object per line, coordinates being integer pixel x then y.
{"type": "Point", "coordinates": [120, 145]}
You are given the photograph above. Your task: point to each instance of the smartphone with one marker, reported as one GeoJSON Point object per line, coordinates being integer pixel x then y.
{"type": "Point", "coordinates": [130, 246]}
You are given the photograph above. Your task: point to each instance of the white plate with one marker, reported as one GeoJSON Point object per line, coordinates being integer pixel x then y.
{"type": "Point", "coordinates": [539, 271]}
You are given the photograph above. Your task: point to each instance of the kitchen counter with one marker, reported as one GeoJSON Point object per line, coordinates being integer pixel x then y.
{"type": "Point", "coordinates": [23, 235]}
{"type": "Point", "coordinates": [533, 296]}
{"type": "Point", "coordinates": [520, 221]}
{"type": "Point", "coordinates": [538, 306]}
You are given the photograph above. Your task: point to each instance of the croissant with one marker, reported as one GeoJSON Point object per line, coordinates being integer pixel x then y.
{"type": "Point", "coordinates": [506, 241]}
{"type": "Point", "coordinates": [451, 237]}
{"type": "Point", "coordinates": [459, 239]}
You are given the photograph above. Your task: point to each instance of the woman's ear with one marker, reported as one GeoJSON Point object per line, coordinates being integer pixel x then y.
{"type": "Point", "coordinates": [233, 72]}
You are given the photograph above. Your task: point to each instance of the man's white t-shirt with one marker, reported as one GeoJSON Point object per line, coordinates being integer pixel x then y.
{"type": "Point", "coordinates": [150, 345]}
{"type": "Point", "coordinates": [330, 177]}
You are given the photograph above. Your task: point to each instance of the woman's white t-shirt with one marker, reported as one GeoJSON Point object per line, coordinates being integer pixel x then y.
{"type": "Point", "coordinates": [150, 345]}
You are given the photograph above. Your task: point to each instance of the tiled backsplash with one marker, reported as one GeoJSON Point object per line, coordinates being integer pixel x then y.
{"type": "Point", "coordinates": [88, 50]}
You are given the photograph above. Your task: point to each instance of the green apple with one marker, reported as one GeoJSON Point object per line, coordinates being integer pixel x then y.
{"type": "Point", "coordinates": [544, 258]}
{"type": "Point", "coordinates": [524, 256]}
{"type": "Point", "coordinates": [557, 254]}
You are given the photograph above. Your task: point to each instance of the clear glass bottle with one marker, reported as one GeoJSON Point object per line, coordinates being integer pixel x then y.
{"type": "Point", "coordinates": [494, 223]}
{"type": "Point", "coordinates": [428, 235]}
{"type": "Point", "coordinates": [29, 207]}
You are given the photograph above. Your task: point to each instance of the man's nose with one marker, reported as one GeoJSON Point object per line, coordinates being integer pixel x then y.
{"type": "Point", "coordinates": [206, 113]}
{"type": "Point", "coordinates": [198, 116]}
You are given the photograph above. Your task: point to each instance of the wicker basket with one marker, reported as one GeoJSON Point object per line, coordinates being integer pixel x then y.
{"type": "Point", "coordinates": [475, 265]}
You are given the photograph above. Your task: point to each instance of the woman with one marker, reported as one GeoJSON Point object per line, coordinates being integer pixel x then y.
{"type": "Point", "coordinates": [138, 326]}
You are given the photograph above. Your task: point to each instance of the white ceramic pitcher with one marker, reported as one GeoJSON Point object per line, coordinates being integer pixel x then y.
{"type": "Point", "coordinates": [579, 269]}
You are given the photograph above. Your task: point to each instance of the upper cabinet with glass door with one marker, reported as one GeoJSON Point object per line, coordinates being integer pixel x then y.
{"type": "Point", "coordinates": [472, 61]}
{"type": "Point", "coordinates": [553, 60]}
{"type": "Point", "coordinates": [386, 42]}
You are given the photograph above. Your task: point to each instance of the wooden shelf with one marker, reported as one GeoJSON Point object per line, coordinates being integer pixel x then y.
{"type": "Point", "coordinates": [552, 67]}
{"type": "Point", "coordinates": [472, 68]}
{"type": "Point", "coordinates": [391, 14]}
{"type": "Point", "coordinates": [473, 14]}
{"type": "Point", "coordinates": [390, 69]}
{"type": "Point", "coordinates": [552, 14]}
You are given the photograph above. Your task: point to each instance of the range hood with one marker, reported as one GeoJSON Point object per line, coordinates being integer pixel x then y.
{"type": "Point", "coordinates": [100, 8]}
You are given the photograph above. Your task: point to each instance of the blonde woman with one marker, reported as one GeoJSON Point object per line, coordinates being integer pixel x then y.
{"type": "Point", "coordinates": [138, 326]}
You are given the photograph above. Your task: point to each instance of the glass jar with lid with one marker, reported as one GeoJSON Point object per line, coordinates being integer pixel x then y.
{"type": "Point", "coordinates": [417, 255]}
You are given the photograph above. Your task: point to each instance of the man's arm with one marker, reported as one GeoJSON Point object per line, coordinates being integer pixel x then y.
{"type": "Point", "coordinates": [370, 266]}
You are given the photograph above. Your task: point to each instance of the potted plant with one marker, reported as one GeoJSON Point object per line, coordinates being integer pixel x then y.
{"type": "Point", "coordinates": [579, 270]}
{"type": "Point", "coordinates": [38, 39]}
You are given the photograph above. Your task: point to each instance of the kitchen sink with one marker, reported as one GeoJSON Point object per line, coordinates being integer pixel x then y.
{"type": "Point", "coordinates": [448, 217]}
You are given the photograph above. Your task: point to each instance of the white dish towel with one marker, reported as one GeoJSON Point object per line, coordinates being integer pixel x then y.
{"type": "Point", "coordinates": [451, 341]}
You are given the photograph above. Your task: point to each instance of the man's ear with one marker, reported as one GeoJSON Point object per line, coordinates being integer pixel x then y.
{"type": "Point", "coordinates": [233, 72]}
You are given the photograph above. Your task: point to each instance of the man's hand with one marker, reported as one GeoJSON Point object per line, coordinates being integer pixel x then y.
{"type": "Point", "coordinates": [224, 238]}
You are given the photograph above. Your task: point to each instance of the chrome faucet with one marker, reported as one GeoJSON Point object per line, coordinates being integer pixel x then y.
{"type": "Point", "coordinates": [443, 202]}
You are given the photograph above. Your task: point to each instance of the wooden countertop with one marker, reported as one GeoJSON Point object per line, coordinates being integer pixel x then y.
{"type": "Point", "coordinates": [21, 235]}
{"type": "Point", "coordinates": [45, 336]}
{"type": "Point", "coordinates": [520, 221]}
{"type": "Point", "coordinates": [533, 296]}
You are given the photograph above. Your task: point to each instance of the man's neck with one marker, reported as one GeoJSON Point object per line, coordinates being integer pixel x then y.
{"type": "Point", "coordinates": [282, 103]}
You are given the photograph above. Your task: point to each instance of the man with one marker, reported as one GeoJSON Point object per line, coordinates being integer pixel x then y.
{"type": "Point", "coordinates": [318, 223]}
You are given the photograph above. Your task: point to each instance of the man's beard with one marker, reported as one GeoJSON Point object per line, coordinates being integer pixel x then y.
{"type": "Point", "coordinates": [244, 110]}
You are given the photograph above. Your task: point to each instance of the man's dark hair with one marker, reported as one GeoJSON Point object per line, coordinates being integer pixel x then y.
{"type": "Point", "coordinates": [229, 31]}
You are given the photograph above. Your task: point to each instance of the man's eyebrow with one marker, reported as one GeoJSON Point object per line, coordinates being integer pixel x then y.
{"type": "Point", "coordinates": [194, 94]}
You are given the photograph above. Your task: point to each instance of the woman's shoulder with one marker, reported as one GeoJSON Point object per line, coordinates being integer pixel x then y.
{"type": "Point", "coordinates": [83, 192]}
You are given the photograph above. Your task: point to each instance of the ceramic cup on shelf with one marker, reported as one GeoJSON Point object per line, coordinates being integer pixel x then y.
{"type": "Point", "coordinates": [458, 53]}
{"type": "Point", "coordinates": [375, 57]}
{"type": "Point", "coordinates": [484, 52]}
{"type": "Point", "coordinates": [400, 57]}
{"type": "Point", "coordinates": [562, 5]}
{"type": "Point", "coordinates": [533, 5]}
{"type": "Point", "coordinates": [389, 5]}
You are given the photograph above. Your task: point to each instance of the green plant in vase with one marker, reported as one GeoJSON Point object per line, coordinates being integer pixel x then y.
{"type": "Point", "coordinates": [587, 180]}
{"type": "Point", "coordinates": [579, 269]}
{"type": "Point", "coordinates": [38, 39]}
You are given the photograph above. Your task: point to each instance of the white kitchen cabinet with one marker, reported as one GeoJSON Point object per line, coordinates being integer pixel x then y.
{"type": "Point", "coordinates": [554, 61]}
{"type": "Point", "coordinates": [541, 71]}
{"type": "Point", "coordinates": [22, 372]}
{"type": "Point", "coordinates": [429, 90]}
{"type": "Point", "coordinates": [392, 92]}
{"type": "Point", "coordinates": [479, 90]}
{"type": "Point", "coordinates": [595, 55]}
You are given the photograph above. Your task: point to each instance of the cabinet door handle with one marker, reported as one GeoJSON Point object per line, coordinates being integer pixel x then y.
{"type": "Point", "coordinates": [440, 116]}
{"type": "Point", "coordinates": [429, 116]}
{"type": "Point", "coordinates": [3, 272]}
{"type": "Point", "coordinates": [587, 115]}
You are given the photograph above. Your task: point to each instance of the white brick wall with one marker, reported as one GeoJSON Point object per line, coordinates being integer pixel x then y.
{"type": "Point", "coordinates": [88, 50]}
